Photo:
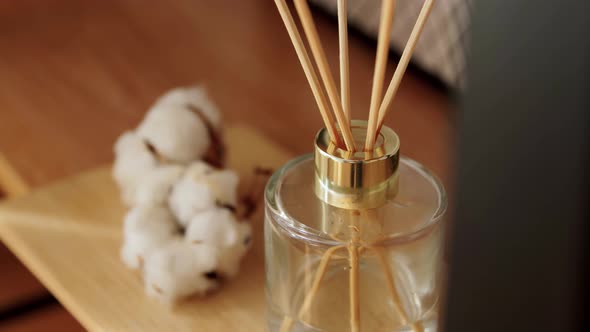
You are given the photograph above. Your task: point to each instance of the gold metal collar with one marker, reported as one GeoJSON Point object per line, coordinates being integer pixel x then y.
{"type": "Point", "coordinates": [359, 180]}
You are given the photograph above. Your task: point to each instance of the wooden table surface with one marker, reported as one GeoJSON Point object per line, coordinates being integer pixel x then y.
{"type": "Point", "coordinates": [74, 74]}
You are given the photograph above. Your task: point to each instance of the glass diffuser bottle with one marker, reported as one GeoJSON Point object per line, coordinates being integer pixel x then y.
{"type": "Point", "coordinates": [353, 241]}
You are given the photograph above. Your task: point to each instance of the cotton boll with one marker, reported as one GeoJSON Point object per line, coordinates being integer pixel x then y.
{"type": "Point", "coordinates": [137, 247]}
{"type": "Point", "coordinates": [196, 97]}
{"type": "Point", "coordinates": [145, 229]}
{"type": "Point", "coordinates": [198, 169]}
{"type": "Point", "coordinates": [219, 228]}
{"type": "Point", "coordinates": [230, 257]}
{"type": "Point", "coordinates": [189, 198]}
{"type": "Point", "coordinates": [180, 123]}
{"type": "Point", "coordinates": [191, 193]}
{"type": "Point", "coordinates": [150, 219]}
{"type": "Point", "coordinates": [180, 269]}
{"type": "Point", "coordinates": [132, 159]}
{"type": "Point", "coordinates": [177, 134]}
{"type": "Point", "coordinates": [155, 185]}
{"type": "Point", "coordinates": [216, 227]}
{"type": "Point", "coordinates": [224, 184]}
{"type": "Point", "coordinates": [200, 189]}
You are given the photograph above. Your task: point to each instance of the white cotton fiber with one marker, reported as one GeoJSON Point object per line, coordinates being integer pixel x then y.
{"type": "Point", "coordinates": [176, 133]}
{"type": "Point", "coordinates": [201, 188]}
{"type": "Point", "coordinates": [230, 257]}
{"type": "Point", "coordinates": [137, 247]}
{"type": "Point", "coordinates": [174, 128]}
{"type": "Point", "coordinates": [191, 193]}
{"type": "Point", "coordinates": [145, 229]}
{"type": "Point", "coordinates": [150, 219]}
{"type": "Point", "coordinates": [216, 227]}
{"type": "Point", "coordinates": [195, 96]}
{"type": "Point", "coordinates": [132, 160]}
{"type": "Point", "coordinates": [198, 169]}
{"type": "Point", "coordinates": [224, 184]}
{"type": "Point", "coordinates": [219, 228]}
{"type": "Point", "coordinates": [188, 198]}
{"type": "Point", "coordinates": [180, 269]}
{"type": "Point", "coordinates": [155, 185]}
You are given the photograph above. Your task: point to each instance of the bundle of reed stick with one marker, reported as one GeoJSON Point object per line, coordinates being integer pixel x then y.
{"type": "Point", "coordinates": [335, 109]}
{"type": "Point", "coordinates": [336, 114]}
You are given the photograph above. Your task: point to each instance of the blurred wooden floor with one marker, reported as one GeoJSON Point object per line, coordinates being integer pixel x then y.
{"type": "Point", "coordinates": [74, 74]}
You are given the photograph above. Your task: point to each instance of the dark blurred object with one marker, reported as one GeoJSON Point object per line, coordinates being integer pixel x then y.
{"type": "Point", "coordinates": [517, 246]}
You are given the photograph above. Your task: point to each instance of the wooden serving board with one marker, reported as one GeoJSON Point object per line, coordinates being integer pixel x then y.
{"type": "Point", "coordinates": [69, 234]}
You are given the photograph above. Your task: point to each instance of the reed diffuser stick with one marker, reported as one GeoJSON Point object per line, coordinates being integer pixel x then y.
{"type": "Point", "coordinates": [353, 273]}
{"type": "Point", "coordinates": [287, 324]}
{"type": "Point", "coordinates": [324, 69]}
{"type": "Point", "coordinates": [387, 10]}
{"type": "Point", "coordinates": [310, 73]}
{"type": "Point", "coordinates": [343, 44]}
{"type": "Point", "coordinates": [404, 61]}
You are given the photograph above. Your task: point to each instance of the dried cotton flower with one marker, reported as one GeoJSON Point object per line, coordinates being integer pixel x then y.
{"type": "Point", "coordinates": [180, 269]}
